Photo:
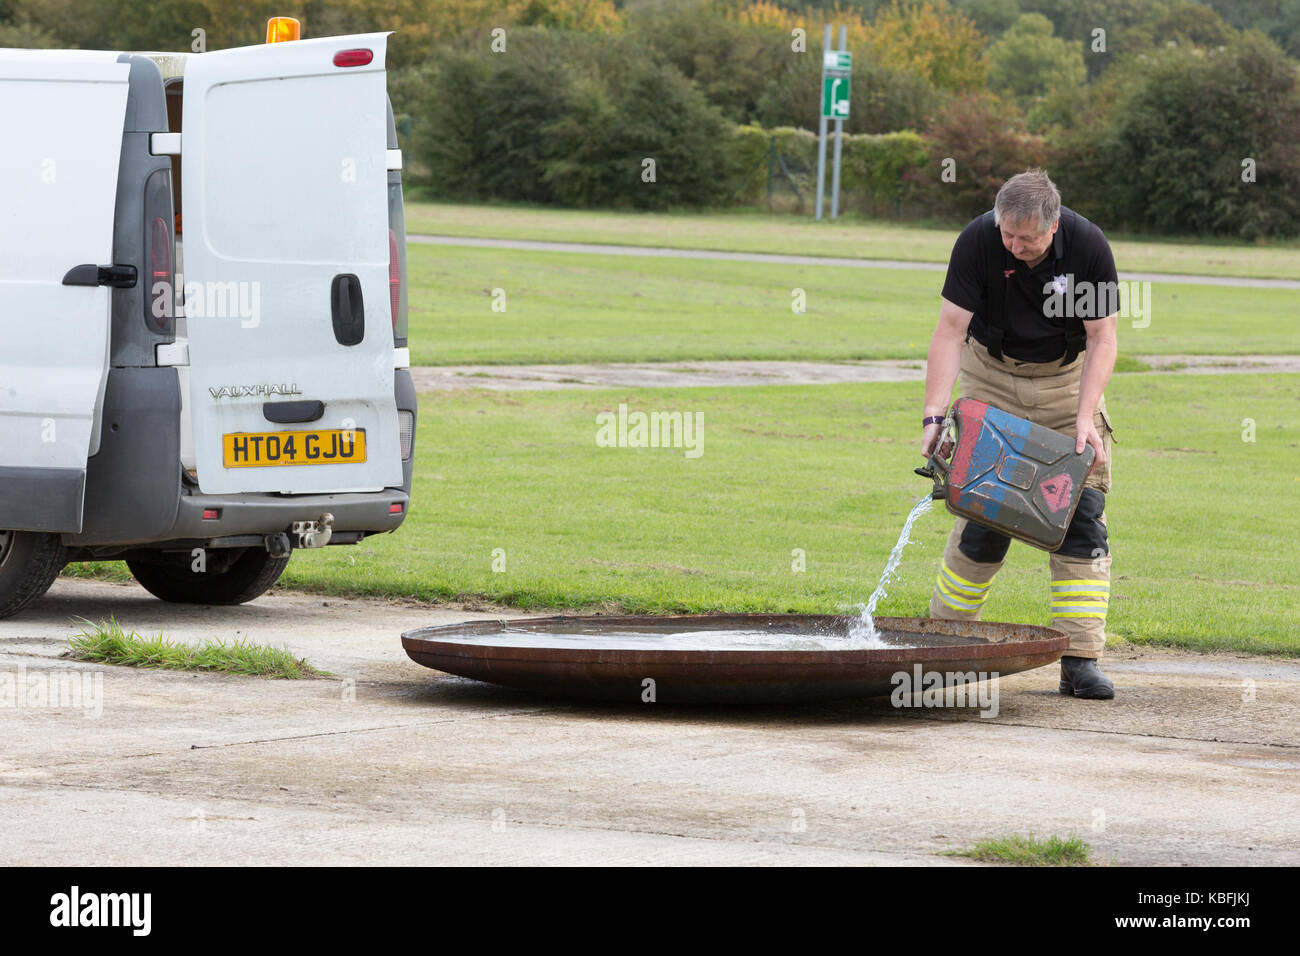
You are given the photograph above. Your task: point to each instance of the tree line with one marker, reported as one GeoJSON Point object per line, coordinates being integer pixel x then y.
{"type": "Point", "coordinates": [1160, 116]}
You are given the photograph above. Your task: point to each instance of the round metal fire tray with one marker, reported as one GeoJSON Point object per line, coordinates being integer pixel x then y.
{"type": "Point", "coordinates": [728, 657]}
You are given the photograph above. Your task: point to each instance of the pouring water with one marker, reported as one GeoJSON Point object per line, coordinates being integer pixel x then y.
{"type": "Point", "coordinates": [864, 630]}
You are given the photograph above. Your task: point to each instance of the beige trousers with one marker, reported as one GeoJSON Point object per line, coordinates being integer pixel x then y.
{"type": "Point", "coordinates": [1046, 393]}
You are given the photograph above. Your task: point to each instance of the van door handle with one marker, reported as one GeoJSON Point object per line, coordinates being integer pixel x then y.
{"type": "Point", "coordinates": [289, 413]}
{"type": "Point", "coordinates": [119, 277]}
{"type": "Point", "coordinates": [347, 309]}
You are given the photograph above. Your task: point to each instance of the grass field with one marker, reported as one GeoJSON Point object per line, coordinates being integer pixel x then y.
{"type": "Point", "coordinates": [756, 231]}
{"type": "Point", "coordinates": [1204, 525]}
{"type": "Point", "coordinates": [569, 307]}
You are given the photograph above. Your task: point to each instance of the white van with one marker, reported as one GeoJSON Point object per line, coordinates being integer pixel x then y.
{"type": "Point", "coordinates": [199, 426]}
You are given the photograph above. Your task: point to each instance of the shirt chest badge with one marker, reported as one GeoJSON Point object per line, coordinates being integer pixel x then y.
{"type": "Point", "coordinates": [1060, 283]}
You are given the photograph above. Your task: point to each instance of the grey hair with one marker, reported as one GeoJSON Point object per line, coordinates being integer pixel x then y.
{"type": "Point", "coordinates": [1027, 197]}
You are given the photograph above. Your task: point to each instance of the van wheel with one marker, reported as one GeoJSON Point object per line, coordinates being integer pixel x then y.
{"type": "Point", "coordinates": [29, 563]}
{"type": "Point", "coordinates": [170, 578]}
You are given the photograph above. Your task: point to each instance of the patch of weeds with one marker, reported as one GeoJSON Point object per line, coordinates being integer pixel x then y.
{"type": "Point", "coordinates": [107, 643]}
{"type": "Point", "coordinates": [114, 571]}
{"type": "Point", "coordinates": [1028, 850]}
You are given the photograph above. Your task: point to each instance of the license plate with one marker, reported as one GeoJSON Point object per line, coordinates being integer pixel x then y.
{"type": "Point", "coordinates": [334, 446]}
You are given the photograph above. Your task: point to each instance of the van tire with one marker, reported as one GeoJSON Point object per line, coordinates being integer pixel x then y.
{"type": "Point", "coordinates": [249, 576]}
{"type": "Point", "coordinates": [29, 563]}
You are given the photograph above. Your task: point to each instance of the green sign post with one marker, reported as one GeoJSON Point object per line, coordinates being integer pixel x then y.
{"type": "Point", "coordinates": [837, 69]}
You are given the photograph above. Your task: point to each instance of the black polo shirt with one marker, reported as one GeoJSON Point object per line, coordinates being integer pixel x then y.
{"type": "Point", "coordinates": [1040, 306]}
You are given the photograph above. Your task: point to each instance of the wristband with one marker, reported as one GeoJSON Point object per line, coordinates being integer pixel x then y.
{"type": "Point", "coordinates": [931, 420]}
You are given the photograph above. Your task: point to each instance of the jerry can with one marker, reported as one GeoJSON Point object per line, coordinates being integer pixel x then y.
{"type": "Point", "coordinates": [1009, 474]}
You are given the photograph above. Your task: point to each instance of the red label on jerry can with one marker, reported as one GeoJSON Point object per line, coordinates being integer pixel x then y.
{"type": "Point", "coordinates": [1014, 476]}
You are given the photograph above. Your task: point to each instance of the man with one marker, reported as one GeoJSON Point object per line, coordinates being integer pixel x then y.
{"type": "Point", "coordinates": [1009, 331]}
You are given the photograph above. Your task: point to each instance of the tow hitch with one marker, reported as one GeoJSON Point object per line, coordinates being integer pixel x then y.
{"type": "Point", "coordinates": [314, 534]}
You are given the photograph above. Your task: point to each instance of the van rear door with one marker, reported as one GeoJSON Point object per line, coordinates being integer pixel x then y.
{"type": "Point", "coordinates": [285, 228]}
{"type": "Point", "coordinates": [62, 113]}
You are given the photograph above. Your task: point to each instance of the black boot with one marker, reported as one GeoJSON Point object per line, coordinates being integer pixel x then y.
{"type": "Point", "coordinates": [1080, 677]}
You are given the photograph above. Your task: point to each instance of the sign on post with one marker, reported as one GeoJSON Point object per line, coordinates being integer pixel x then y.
{"type": "Point", "coordinates": [836, 70]}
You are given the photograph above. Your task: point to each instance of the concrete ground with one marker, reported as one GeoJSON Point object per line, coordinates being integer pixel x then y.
{"type": "Point", "coordinates": [1195, 762]}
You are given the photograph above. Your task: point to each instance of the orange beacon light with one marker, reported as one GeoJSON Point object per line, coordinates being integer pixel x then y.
{"type": "Point", "coordinates": [282, 29]}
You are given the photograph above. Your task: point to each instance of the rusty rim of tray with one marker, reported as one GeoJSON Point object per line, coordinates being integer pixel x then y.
{"type": "Point", "coordinates": [986, 640]}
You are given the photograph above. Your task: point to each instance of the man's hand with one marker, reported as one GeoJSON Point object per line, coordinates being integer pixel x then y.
{"type": "Point", "coordinates": [930, 437]}
{"type": "Point", "coordinates": [1086, 432]}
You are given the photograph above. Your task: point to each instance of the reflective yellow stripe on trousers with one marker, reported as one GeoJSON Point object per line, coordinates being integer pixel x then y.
{"type": "Point", "coordinates": [1080, 598]}
{"type": "Point", "coordinates": [960, 594]}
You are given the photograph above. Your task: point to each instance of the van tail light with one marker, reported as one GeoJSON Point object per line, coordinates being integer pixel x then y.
{"type": "Point", "coordinates": [160, 258]}
{"type": "Point", "coordinates": [160, 268]}
{"type": "Point", "coordinates": [353, 57]}
{"type": "Point", "coordinates": [394, 275]}
{"type": "Point", "coordinates": [406, 432]}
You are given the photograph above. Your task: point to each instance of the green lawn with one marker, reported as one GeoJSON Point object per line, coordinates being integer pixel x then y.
{"type": "Point", "coordinates": [567, 307]}
{"type": "Point", "coordinates": [756, 231]}
{"type": "Point", "coordinates": [1204, 525]}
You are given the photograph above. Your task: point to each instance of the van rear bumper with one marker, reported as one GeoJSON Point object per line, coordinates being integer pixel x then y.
{"type": "Point", "coordinates": [244, 520]}
{"type": "Point", "coordinates": [369, 512]}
